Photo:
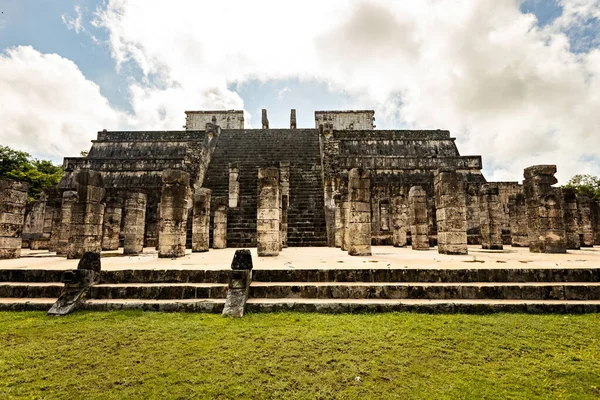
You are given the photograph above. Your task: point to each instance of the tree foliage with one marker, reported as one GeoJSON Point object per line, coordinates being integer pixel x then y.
{"type": "Point", "coordinates": [586, 185]}
{"type": "Point", "coordinates": [20, 166]}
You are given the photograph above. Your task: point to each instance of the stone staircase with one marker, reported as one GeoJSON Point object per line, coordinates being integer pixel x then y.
{"type": "Point", "coordinates": [250, 150]}
{"type": "Point", "coordinates": [557, 290]}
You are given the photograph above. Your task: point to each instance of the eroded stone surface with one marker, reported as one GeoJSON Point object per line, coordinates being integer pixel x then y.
{"type": "Point", "coordinates": [490, 215]}
{"type": "Point", "coordinates": [571, 218]}
{"type": "Point", "coordinates": [419, 228]}
{"type": "Point", "coordinates": [201, 222]}
{"type": "Point", "coordinates": [268, 217]}
{"type": "Point", "coordinates": [173, 214]}
{"type": "Point", "coordinates": [359, 212]}
{"type": "Point", "coordinates": [13, 197]}
{"type": "Point", "coordinates": [451, 212]}
{"type": "Point", "coordinates": [134, 226]}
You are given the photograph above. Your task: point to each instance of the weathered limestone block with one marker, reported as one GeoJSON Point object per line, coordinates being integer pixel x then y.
{"type": "Point", "coordinates": [53, 209]}
{"type": "Point", "coordinates": [596, 221]}
{"type": "Point", "coordinates": [133, 228]}
{"type": "Point", "coordinates": [584, 205]}
{"type": "Point", "coordinates": [518, 220]}
{"type": "Point", "coordinates": [359, 212]}
{"type": "Point", "coordinates": [490, 216]}
{"type": "Point", "coordinates": [451, 212]}
{"type": "Point", "coordinates": [419, 223]}
{"type": "Point", "coordinates": [87, 215]}
{"type": "Point", "coordinates": [69, 198]}
{"type": "Point", "coordinates": [234, 185]}
{"type": "Point", "coordinates": [284, 191]}
{"type": "Point", "coordinates": [399, 221]}
{"type": "Point", "coordinates": [239, 284]}
{"type": "Point", "coordinates": [220, 223]}
{"type": "Point", "coordinates": [13, 198]}
{"type": "Point", "coordinates": [339, 227]}
{"type": "Point", "coordinates": [571, 218]}
{"type": "Point", "coordinates": [112, 225]}
{"type": "Point", "coordinates": [173, 214]}
{"type": "Point", "coordinates": [33, 228]}
{"type": "Point", "coordinates": [268, 219]}
{"type": "Point", "coordinates": [344, 216]}
{"type": "Point", "coordinates": [545, 223]}
{"type": "Point", "coordinates": [201, 223]}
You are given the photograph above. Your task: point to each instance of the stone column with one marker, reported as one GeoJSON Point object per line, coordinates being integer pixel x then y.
{"type": "Point", "coordinates": [293, 119]}
{"type": "Point", "coordinates": [571, 218]}
{"type": "Point", "coordinates": [284, 190]}
{"type": "Point", "coordinates": [518, 220]}
{"type": "Point", "coordinates": [419, 223]}
{"type": "Point", "coordinates": [596, 221]}
{"type": "Point", "coordinates": [220, 223]}
{"type": "Point", "coordinates": [13, 198]}
{"type": "Point", "coordinates": [339, 227]}
{"type": "Point", "coordinates": [112, 225]}
{"type": "Point", "coordinates": [584, 205]}
{"type": "Point", "coordinates": [545, 224]}
{"type": "Point", "coordinates": [399, 221]}
{"type": "Point", "coordinates": [201, 223]}
{"type": "Point", "coordinates": [173, 214]}
{"type": "Point", "coordinates": [359, 212]}
{"type": "Point", "coordinates": [267, 220]}
{"type": "Point", "coordinates": [33, 227]}
{"type": "Point", "coordinates": [135, 223]}
{"type": "Point", "coordinates": [69, 198]}
{"type": "Point", "coordinates": [87, 214]}
{"type": "Point", "coordinates": [344, 215]}
{"type": "Point", "coordinates": [54, 202]}
{"type": "Point", "coordinates": [451, 212]}
{"type": "Point", "coordinates": [490, 217]}
{"type": "Point", "coordinates": [234, 185]}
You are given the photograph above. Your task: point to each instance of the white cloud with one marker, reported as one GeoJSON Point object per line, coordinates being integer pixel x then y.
{"type": "Point", "coordinates": [48, 107]}
{"type": "Point", "coordinates": [74, 23]}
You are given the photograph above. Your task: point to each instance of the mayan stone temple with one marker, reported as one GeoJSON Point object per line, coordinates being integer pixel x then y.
{"type": "Point", "coordinates": [338, 217]}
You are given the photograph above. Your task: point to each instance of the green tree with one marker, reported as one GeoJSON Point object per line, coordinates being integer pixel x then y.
{"type": "Point", "coordinates": [20, 166]}
{"type": "Point", "coordinates": [586, 185]}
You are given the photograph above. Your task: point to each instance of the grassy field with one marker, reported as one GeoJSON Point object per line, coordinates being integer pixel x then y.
{"type": "Point", "coordinates": [303, 356]}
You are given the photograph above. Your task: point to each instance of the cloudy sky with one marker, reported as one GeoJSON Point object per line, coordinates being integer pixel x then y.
{"type": "Point", "coordinates": [515, 81]}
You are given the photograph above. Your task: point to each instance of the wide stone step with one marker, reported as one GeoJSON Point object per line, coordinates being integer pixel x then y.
{"type": "Point", "coordinates": [26, 304]}
{"type": "Point", "coordinates": [30, 289]}
{"type": "Point", "coordinates": [170, 305]}
{"type": "Point", "coordinates": [164, 276]}
{"type": "Point", "coordinates": [422, 305]}
{"type": "Point", "coordinates": [448, 275]}
{"type": "Point", "coordinates": [393, 290]}
{"type": "Point", "coordinates": [159, 291]}
{"type": "Point", "coordinates": [30, 275]}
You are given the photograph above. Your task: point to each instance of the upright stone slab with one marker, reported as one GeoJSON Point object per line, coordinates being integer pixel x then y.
{"type": "Point", "coordinates": [344, 216]}
{"type": "Point", "coordinates": [359, 212]}
{"type": "Point", "coordinates": [112, 225]}
{"type": "Point", "coordinates": [173, 214]}
{"type": "Point", "coordinates": [220, 223]}
{"type": "Point", "coordinates": [419, 223]}
{"type": "Point", "coordinates": [13, 198]}
{"type": "Point", "coordinates": [201, 223]}
{"type": "Point", "coordinates": [339, 227]}
{"type": "Point", "coordinates": [134, 225]}
{"type": "Point", "coordinates": [69, 198]}
{"type": "Point", "coordinates": [571, 218]}
{"type": "Point", "coordinates": [267, 220]}
{"type": "Point", "coordinates": [490, 217]}
{"type": "Point", "coordinates": [596, 221]}
{"type": "Point", "coordinates": [87, 215]}
{"type": "Point", "coordinates": [293, 123]}
{"type": "Point", "coordinates": [399, 221]}
{"type": "Point", "coordinates": [265, 120]}
{"type": "Point", "coordinates": [53, 208]}
{"type": "Point", "coordinates": [518, 220]}
{"type": "Point", "coordinates": [451, 212]}
{"type": "Point", "coordinates": [284, 191]}
{"type": "Point", "coordinates": [584, 205]}
{"type": "Point", "coordinates": [545, 224]}
{"type": "Point", "coordinates": [33, 227]}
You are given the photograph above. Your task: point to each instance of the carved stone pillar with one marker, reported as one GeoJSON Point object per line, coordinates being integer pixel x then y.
{"type": "Point", "coordinates": [201, 223]}
{"type": "Point", "coordinates": [135, 223]}
{"type": "Point", "coordinates": [173, 214]}
{"type": "Point", "coordinates": [69, 198]}
{"type": "Point", "coordinates": [359, 213]}
{"type": "Point", "coordinates": [490, 217]}
{"type": "Point", "coordinates": [451, 212]}
{"type": "Point", "coordinates": [419, 223]}
{"type": "Point", "coordinates": [13, 197]}
{"type": "Point", "coordinates": [267, 221]}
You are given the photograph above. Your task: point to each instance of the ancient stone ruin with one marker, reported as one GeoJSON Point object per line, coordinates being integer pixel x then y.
{"type": "Point", "coordinates": [341, 184]}
{"type": "Point", "coordinates": [13, 196]}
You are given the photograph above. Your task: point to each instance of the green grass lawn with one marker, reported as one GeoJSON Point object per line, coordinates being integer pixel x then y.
{"type": "Point", "coordinates": [305, 356]}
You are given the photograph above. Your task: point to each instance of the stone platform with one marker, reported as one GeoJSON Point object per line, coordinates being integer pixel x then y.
{"type": "Point", "coordinates": [322, 280]}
